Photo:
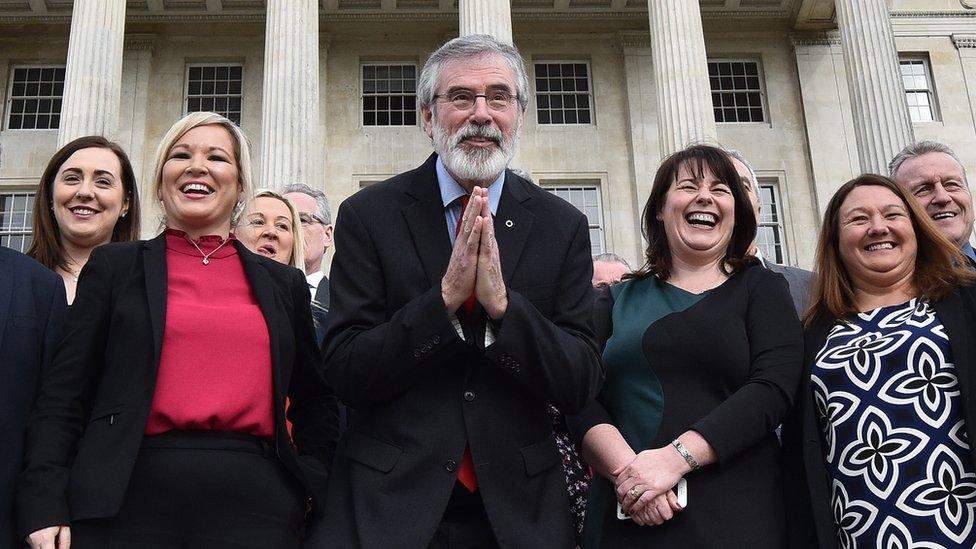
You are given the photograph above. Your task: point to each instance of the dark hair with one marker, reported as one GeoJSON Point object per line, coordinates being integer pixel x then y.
{"type": "Point", "coordinates": [939, 264]}
{"type": "Point", "coordinates": [46, 247]}
{"type": "Point", "coordinates": [697, 158]}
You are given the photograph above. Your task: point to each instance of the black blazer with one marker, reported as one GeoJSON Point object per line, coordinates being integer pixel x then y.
{"type": "Point", "coordinates": [421, 392]}
{"type": "Point", "coordinates": [32, 308]}
{"type": "Point", "coordinates": [92, 407]}
{"type": "Point", "coordinates": [811, 521]}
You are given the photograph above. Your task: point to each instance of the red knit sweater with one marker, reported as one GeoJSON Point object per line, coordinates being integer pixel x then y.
{"type": "Point", "coordinates": [215, 367]}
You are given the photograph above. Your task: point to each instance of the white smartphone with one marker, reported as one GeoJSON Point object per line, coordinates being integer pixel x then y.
{"type": "Point", "coordinates": [680, 490]}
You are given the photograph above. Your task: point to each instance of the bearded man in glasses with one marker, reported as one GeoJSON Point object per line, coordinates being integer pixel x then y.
{"type": "Point", "coordinates": [461, 307]}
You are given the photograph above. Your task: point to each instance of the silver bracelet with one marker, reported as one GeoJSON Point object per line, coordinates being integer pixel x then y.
{"type": "Point", "coordinates": [689, 459]}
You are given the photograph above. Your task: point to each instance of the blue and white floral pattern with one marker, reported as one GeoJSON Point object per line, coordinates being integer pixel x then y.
{"type": "Point", "coordinates": [896, 445]}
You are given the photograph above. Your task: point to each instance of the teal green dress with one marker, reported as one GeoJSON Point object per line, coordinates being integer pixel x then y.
{"type": "Point", "coordinates": [632, 394]}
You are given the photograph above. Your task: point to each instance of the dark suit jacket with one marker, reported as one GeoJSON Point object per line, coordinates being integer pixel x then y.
{"type": "Point", "coordinates": [799, 281]}
{"type": "Point", "coordinates": [92, 407]}
{"type": "Point", "coordinates": [421, 392]}
{"type": "Point", "coordinates": [810, 518]}
{"type": "Point", "coordinates": [32, 308]}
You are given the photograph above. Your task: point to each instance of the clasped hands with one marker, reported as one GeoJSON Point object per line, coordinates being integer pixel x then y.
{"type": "Point", "coordinates": [475, 265]}
{"type": "Point", "coordinates": [644, 486]}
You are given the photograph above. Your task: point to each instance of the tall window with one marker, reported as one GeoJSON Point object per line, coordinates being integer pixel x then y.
{"type": "Point", "coordinates": [737, 93]}
{"type": "Point", "coordinates": [769, 236]}
{"type": "Point", "coordinates": [216, 88]}
{"type": "Point", "coordinates": [916, 77]}
{"type": "Point", "coordinates": [586, 198]}
{"type": "Point", "coordinates": [389, 94]}
{"type": "Point", "coordinates": [563, 94]}
{"type": "Point", "coordinates": [16, 214]}
{"type": "Point", "coordinates": [35, 98]}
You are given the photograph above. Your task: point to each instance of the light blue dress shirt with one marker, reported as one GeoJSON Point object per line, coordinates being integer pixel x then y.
{"type": "Point", "coordinates": [452, 191]}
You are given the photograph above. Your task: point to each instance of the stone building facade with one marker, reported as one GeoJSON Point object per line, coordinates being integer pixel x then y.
{"type": "Point", "coordinates": [813, 92]}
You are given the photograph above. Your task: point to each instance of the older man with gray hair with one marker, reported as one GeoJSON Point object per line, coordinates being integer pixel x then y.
{"type": "Point", "coordinates": [461, 307]}
{"type": "Point", "coordinates": [932, 172]}
{"type": "Point", "coordinates": [609, 269]}
{"type": "Point", "coordinates": [313, 209]}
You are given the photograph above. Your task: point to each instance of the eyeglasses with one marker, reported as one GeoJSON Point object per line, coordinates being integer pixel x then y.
{"type": "Point", "coordinates": [463, 100]}
{"type": "Point", "coordinates": [308, 219]}
{"type": "Point", "coordinates": [258, 224]}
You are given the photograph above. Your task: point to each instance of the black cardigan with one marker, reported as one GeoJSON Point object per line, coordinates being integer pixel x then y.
{"type": "Point", "coordinates": [810, 519]}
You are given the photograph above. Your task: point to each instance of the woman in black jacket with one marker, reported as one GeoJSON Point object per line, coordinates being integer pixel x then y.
{"type": "Point", "coordinates": [161, 422]}
{"type": "Point", "coordinates": [878, 441]}
{"type": "Point", "coordinates": [702, 361]}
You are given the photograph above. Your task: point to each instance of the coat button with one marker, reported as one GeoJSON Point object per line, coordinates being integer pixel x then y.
{"type": "Point", "coordinates": [469, 396]}
{"type": "Point", "coordinates": [450, 466]}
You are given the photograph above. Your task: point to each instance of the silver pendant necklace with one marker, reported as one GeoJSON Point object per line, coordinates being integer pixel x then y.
{"type": "Point", "coordinates": [206, 257]}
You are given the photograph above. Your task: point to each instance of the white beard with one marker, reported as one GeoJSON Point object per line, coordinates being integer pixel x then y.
{"type": "Point", "coordinates": [482, 165]}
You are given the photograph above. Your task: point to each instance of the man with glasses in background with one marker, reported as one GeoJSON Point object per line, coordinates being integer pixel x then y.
{"type": "Point", "coordinates": [461, 307]}
{"type": "Point", "coordinates": [313, 209]}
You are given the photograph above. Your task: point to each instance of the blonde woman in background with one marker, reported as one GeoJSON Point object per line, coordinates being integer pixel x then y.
{"type": "Point", "coordinates": [272, 227]}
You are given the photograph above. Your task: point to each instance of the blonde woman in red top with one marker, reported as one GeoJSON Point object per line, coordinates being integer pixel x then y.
{"type": "Point", "coordinates": [162, 421]}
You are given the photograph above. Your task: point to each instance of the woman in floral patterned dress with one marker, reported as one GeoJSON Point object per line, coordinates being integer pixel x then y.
{"type": "Point", "coordinates": [879, 438]}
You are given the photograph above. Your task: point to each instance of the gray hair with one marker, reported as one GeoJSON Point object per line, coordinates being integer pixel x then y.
{"type": "Point", "coordinates": [918, 148]}
{"type": "Point", "coordinates": [321, 202]}
{"type": "Point", "coordinates": [612, 258]}
{"type": "Point", "coordinates": [752, 172]}
{"type": "Point", "coordinates": [468, 47]}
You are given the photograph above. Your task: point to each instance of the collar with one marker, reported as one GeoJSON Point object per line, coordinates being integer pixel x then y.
{"type": "Point", "coordinates": [967, 249]}
{"type": "Point", "coordinates": [314, 279]}
{"type": "Point", "coordinates": [451, 190]}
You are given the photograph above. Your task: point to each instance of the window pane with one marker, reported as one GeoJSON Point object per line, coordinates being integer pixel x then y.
{"type": "Point", "coordinates": [15, 220]}
{"type": "Point", "coordinates": [216, 88]}
{"type": "Point", "coordinates": [389, 95]}
{"type": "Point", "coordinates": [737, 85]}
{"type": "Point", "coordinates": [587, 200]}
{"type": "Point", "coordinates": [919, 93]}
{"type": "Point", "coordinates": [562, 93]}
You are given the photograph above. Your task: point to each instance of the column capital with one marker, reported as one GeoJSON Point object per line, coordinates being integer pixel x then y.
{"type": "Point", "coordinates": [637, 39]}
{"type": "Point", "coordinates": [964, 41]}
{"type": "Point", "coordinates": [140, 42]}
{"type": "Point", "coordinates": [825, 38]}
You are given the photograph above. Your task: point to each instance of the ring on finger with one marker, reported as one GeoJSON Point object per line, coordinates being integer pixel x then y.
{"type": "Point", "coordinates": [634, 493]}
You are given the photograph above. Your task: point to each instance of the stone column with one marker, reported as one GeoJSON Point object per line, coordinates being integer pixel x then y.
{"type": "Point", "coordinates": [492, 17]}
{"type": "Point", "coordinates": [290, 146]}
{"type": "Point", "coordinates": [827, 113]}
{"type": "Point", "coordinates": [881, 121]}
{"type": "Point", "coordinates": [680, 74]}
{"type": "Point", "coordinates": [93, 76]}
{"type": "Point", "coordinates": [645, 147]}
